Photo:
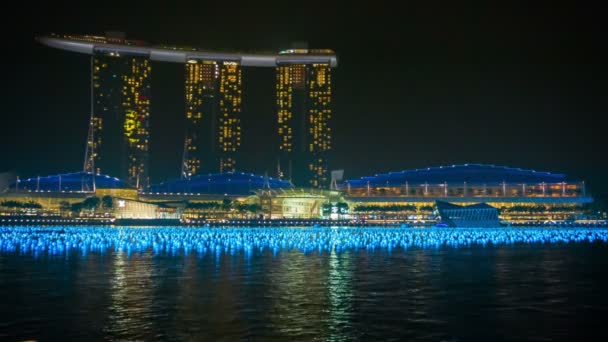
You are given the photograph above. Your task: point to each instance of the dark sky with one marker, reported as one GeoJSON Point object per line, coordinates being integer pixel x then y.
{"type": "Point", "coordinates": [416, 86]}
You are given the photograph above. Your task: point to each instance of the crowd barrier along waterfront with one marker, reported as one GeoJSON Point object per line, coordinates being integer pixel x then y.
{"type": "Point", "coordinates": [63, 240]}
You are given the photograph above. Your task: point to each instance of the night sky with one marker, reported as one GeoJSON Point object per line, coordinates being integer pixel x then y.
{"type": "Point", "coordinates": [415, 87]}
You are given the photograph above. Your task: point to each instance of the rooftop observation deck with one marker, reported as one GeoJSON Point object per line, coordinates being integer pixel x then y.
{"type": "Point", "coordinates": [90, 45]}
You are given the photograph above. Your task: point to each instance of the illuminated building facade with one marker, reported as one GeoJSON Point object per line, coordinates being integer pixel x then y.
{"type": "Point", "coordinates": [291, 116]}
{"type": "Point", "coordinates": [213, 106]}
{"type": "Point", "coordinates": [229, 123]}
{"type": "Point", "coordinates": [106, 110]}
{"type": "Point", "coordinates": [303, 95]}
{"type": "Point", "coordinates": [119, 123]}
{"type": "Point", "coordinates": [319, 96]}
{"type": "Point", "coordinates": [521, 195]}
{"type": "Point", "coordinates": [213, 97]}
{"type": "Point", "coordinates": [291, 204]}
{"type": "Point", "coordinates": [201, 113]}
{"type": "Point", "coordinates": [136, 106]}
{"type": "Point", "coordinates": [474, 191]}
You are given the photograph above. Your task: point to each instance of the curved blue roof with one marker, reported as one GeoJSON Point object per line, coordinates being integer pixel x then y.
{"type": "Point", "coordinates": [470, 173]}
{"type": "Point", "coordinates": [232, 183]}
{"type": "Point", "coordinates": [75, 181]}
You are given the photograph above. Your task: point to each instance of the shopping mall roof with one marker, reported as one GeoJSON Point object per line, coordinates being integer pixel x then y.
{"type": "Point", "coordinates": [470, 173]}
{"type": "Point", "coordinates": [75, 181]}
{"type": "Point", "coordinates": [232, 183]}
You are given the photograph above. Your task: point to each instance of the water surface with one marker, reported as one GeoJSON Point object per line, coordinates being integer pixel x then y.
{"type": "Point", "coordinates": [341, 284]}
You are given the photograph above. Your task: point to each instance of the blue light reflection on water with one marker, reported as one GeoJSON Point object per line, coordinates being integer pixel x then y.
{"type": "Point", "coordinates": [278, 284]}
{"type": "Point", "coordinates": [247, 241]}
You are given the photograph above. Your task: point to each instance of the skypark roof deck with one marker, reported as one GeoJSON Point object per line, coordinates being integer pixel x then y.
{"type": "Point", "coordinates": [93, 44]}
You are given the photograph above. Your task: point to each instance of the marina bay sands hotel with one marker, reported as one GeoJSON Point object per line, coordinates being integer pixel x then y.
{"type": "Point", "coordinates": [121, 95]}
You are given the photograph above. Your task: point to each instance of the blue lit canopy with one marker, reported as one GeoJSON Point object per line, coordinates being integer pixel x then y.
{"type": "Point", "coordinates": [470, 173]}
{"type": "Point", "coordinates": [75, 181]}
{"type": "Point", "coordinates": [232, 183]}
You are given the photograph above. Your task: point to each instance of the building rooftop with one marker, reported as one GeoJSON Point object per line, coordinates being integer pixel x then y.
{"type": "Point", "coordinates": [89, 44]}
{"type": "Point", "coordinates": [232, 183]}
{"type": "Point", "coordinates": [470, 173]}
{"type": "Point", "coordinates": [70, 182]}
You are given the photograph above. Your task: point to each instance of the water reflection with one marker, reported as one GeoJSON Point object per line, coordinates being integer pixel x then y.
{"type": "Point", "coordinates": [468, 293]}
{"type": "Point", "coordinates": [296, 292]}
{"type": "Point", "coordinates": [190, 288]}
{"type": "Point", "coordinates": [339, 287]}
{"type": "Point", "coordinates": [132, 311]}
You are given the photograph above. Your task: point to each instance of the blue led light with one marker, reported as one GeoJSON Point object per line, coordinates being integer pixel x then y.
{"type": "Point", "coordinates": [61, 240]}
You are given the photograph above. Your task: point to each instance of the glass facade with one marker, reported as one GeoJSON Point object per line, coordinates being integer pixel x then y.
{"type": "Point", "coordinates": [200, 96]}
{"type": "Point", "coordinates": [229, 123]}
{"type": "Point", "coordinates": [291, 121]}
{"type": "Point", "coordinates": [136, 106]}
{"type": "Point", "coordinates": [213, 98]}
{"type": "Point", "coordinates": [319, 96]}
{"type": "Point", "coordinates": [303, 95]}
{"type": "Point", "coordinates": [520, 195]}
{"type": "Point", "coordinates": [120, 117]}
{"type": "Point", "coordinates": [468, 190]}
